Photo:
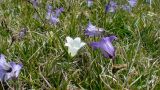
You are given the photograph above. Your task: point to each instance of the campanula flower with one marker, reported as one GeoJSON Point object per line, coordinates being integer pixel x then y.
{"type": "Point", "coordinates": [15, 70]}
{"type": "Point", "coordinates": [49, 12]}
{"type": "Point", "coordinates": [3, 64]}
{"type": "Point", "coordinates": [111, 6]}
{"type": "Point", "coordinates": [8, 70]}
{"type": "Point", "coordinates": [89, 3]}
{"type": "Point", "coordinates": [58, 11]}
{"type": "Point", "coordinates": [132, 3]}
{"type": "Point", "coordinates": [93, 30]}
{"type": "Point", "coordinates": [54, 20]}
{"type": "Point", "coordinates": [52, 16]}
{"type": "Point", "coordinates": [126, 8]}
{"type": "Point", "coordinates": [74, 45]}
{"type": "Point", "coordinates": [106, 47]}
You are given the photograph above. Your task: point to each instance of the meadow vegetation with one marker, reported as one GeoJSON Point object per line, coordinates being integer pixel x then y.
{"type": "Point", "coordinates": [47, 65]}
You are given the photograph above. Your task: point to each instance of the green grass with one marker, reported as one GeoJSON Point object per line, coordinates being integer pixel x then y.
{"type": "Point", "coordinates": [47, 64]}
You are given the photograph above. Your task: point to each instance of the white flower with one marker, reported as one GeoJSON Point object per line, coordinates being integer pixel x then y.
{"type": "Point", "coordinates": [74, 45]}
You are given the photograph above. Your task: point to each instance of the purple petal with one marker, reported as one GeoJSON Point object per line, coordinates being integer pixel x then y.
{"type": "Point", "coordinates": [15, 71]}
{"type": "Point", "coordinates": [107, 46]}
{"type": "Point", "coordinates": [126, 8]}
{"type": "Point", "coordinates": [93, 30]}
{"type": "Point", "coordinates": [49, 7]}
{"type": "Point", "coordinates": [54, 20]}
{"type": "Point", "coordinates": [105, 54]}
{"type": "Point", "coordinates": [2, 58]}
{"type": "Point", "coordinates": [3, 64]}
{"type": "Point", "coordinates": [59, 11]}
{"type": "Point", "coordinates": [132, 2]}
{"type": "Point", "coordinates": [2, 74]}
{"type": "Point", "coordinates": [14, 64]}
{"type": "Point", "coordinates": [95, 45]}
{"type": "Point", "coordinates": [111, 6]}
{"type": "Point", "coordinates": [111, 38]}
{"type": "Point", "coordinates": [53, 16]}
{"type": "Point", "coordinates": [49, 12]}
{"type": "Point", "coordinates": [8, 70]}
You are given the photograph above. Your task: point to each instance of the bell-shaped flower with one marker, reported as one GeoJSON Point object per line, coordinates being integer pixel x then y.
{"type": "Point", "coordinates": [126, 8]}
{"type": "Point", "coordinates": [3, 64]}
{"type": "Point", "coordinates": [111, 7]}
{"type": "Point", "coordinates": [53, 16]}
{"type": "Point", "coordinates": [58, 11]}
{"type": "Point", "coordinates": [54, 20]}
{"type": "Point", "coordinates": [93, 30]}
{"type": "Point", "coordinates": [106, 47]}
{"type": "Point", "coordinates": [8, 70]}
{"type": "Point", "coordinates": [49, 12]}
{"type": "Point", "coordinates": [89, 3]}
{"type": "Point", "coordinates": [15, 70]}
{"type": "Point", "coordinates": [74, 45]}
{"type": "Point", "coordinates": [132, 3]}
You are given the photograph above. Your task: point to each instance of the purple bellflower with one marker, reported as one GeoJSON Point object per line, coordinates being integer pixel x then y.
{"type": "Point", "coordinates": [8, 70]}
{"type": "Point", "coordinates": [53, 16]}
{"type": "Point", "coordinates": [15, 70]}
{"type": "Point", "coordinates": [111, 6]}
{"type": "Point", "coordinates": [89, 3]}
{"type": "Point", "coordinates": [93, 30]}
{"type": "Point", "coordinates": [49, 12]}
{"type": "Point", "coordinates": [58, 11]}
{"type": "Point", "coordinates": [126, 8]}
{"type": "Point", "coordinates": [106, 47]}
{"type": "Point", "coordinates": [132, 3]}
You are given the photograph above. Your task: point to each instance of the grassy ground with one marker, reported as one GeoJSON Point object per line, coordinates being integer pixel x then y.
{"type": "Point", "coordinates": [47, 64]}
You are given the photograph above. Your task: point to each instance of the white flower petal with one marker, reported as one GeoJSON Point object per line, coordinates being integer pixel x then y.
{"type": "Point", "coordinates": [74, 45]}
{"type": "Point", "coordinates": [69, 39]}
{"type": "Point", "coordinates": [67, 44]}
{"type": "Point", "coordinates": [77, 39]}
{"type": "Point", "coordinates": [72, 51]}
{"type": "Point", "coordinates": [82, 44]}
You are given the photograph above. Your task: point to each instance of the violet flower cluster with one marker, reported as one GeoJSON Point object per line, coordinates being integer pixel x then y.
{"type": "Point", "coordinates": [52, 16]}
{"type": "Point", "coordinates": [132, 3]}
{"type": "Point", "coordinates": [105, 44]}
{"type": "Point", "coordinates": [112, 6]}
